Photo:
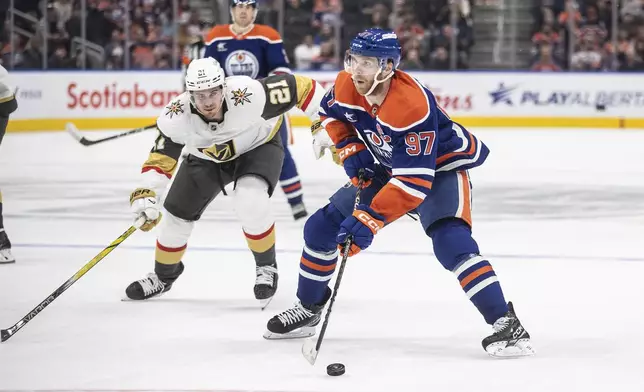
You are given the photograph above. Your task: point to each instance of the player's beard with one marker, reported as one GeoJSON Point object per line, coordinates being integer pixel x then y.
{"type": "Point", "coordinates": [362, 84]}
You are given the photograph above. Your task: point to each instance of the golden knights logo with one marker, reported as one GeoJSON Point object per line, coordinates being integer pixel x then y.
{"type": "Point", "coordinates": [220, 152]}
{"type": "Point", "coordinates": [175, 107]}
{"type": "Point", "coordinates": [241, 96]}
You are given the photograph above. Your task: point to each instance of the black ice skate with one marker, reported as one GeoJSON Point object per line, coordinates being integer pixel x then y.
{"type": "Point", "coordinates": [510, 339]}
{"type": "Point", "coordinates": [298, 322]}
{"type": "Point", "coordinates": [299, 211]}
{"type": "Point", "coordinates": [153, 285]}
{"type": "Point", "coordinates": [5, 249]}
{"type": "Point", "coordinates": [265, 283]}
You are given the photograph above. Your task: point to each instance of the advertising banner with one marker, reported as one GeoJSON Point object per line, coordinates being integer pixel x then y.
{"type": "Point", "coordinates": [107, 100]}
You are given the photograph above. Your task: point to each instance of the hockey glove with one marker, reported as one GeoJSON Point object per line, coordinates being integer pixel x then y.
{"type": "Point", "coordinates": [143, 202]}
{"type": "Point", "coordinates": [322, 142]}
{"type": "Point", "coordinates": [355, 156]}
{"type": "Point", "coordinates": [361, 226]}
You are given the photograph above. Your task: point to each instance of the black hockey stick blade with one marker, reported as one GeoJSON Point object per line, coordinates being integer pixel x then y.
{"type": "Point", "coordinates": [5, 334]}
{"type": "Point", "coordinates": [75, 133]}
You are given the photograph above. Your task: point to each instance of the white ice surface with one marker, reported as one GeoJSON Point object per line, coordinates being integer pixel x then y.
{"type": "Point", "coordinates": [560, 214]}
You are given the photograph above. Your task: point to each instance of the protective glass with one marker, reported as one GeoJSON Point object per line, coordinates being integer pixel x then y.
{"type": "Point", "coordinates": [355, 64]}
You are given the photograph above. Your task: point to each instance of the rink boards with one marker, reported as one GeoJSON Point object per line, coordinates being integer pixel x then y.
{"type": "Point", "coordinates": [108, 100]}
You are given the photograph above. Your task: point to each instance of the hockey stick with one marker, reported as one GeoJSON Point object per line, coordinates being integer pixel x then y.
{"type": "Point", "coordinates": [72, 130]}
{"type": "Point", "coordinates": [5, 334]}
{"type": "Point", "coordinates": [311, 348]}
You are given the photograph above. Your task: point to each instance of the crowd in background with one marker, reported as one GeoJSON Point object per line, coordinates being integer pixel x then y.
{"type": "Point", "coordinates": [151, 31]}
{"type": "Point", "coordinates": [423, 27]}
{"type": "Point", "coordinates": [567, 34]}
{"type": "Point", "coordinates": [578, 35]}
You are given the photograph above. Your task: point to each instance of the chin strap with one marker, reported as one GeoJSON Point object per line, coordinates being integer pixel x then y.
{"type": "Point", "coordinates": [376, 82]}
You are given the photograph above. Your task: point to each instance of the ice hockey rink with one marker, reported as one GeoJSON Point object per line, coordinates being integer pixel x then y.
{"type": "Point", "coordinates": [559, 213]}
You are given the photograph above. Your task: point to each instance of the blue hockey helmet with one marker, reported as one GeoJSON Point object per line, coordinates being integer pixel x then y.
{"type": "Point", "coordinates": [379, 43]}
{"type": "Point", "coordinates": [243, 2]}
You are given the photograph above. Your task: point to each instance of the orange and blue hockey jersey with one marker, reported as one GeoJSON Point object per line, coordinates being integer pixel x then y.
{"type": "Point", "coordinates": [256, 53]}
{"type": "Point", "coordinates": [409, 134]}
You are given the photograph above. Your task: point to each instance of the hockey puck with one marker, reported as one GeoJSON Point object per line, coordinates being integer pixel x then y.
{"type": "Point", "coordinates": [335, 369]}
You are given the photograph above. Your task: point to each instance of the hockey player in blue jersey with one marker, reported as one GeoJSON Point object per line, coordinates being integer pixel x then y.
{"type": "Point", "coordinates": [421, 165]}
{"type": "Point", "coordinates": [255, 50]}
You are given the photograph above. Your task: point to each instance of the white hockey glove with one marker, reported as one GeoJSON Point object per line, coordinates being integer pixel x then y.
{"type": "Point", "coordinates": [322, 142]}
{"type": "Point", "coordinates": [143, 203]}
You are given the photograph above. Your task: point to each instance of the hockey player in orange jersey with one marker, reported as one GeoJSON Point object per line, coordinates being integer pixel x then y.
{"type": "Point", "coordinates": [387, 125]}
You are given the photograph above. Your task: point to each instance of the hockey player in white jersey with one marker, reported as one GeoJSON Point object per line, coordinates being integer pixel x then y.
{"type": "Point", "coordinates": [8, 105]}
{"type": "Point", "coordinates": [229, 128]}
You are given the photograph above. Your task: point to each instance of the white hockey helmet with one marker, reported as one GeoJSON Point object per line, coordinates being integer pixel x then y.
{"type": "Point", "coordinates": [204, 74]}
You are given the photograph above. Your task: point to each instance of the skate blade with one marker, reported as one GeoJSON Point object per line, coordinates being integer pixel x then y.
{"type": "Point", "coordinates": [309, 352]}
{"type": "Point", "coordinates": [263, 303]}
{"type": "Point", "coordinates": [6, 257]}
{"type": "Point", "coordinates": [128, 299]}
{"type": "Point", "coordinates": [300, 333]}
{"type": "Point", "coordinates": [522, 348]}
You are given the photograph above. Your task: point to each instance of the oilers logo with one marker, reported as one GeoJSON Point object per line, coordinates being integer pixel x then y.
{"type": "Point", "coordinates": [242, 62]}
{"type": "Point", "coordinates": [380, 143]}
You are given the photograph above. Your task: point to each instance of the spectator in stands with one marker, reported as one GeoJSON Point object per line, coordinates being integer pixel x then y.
{"type": "Point", "coordinates": [541, 10]}
{"type": "Point", "coordinates": [60, 59]}
{"type": "Point", "coordinates": [444, 40]}
{"type": "Point", "coordinates": [143, 58]}
{"type": "Point", "coordinates": [409, 29]}
{"type": "Point", "coordinates": [592, 28]}
{"type": "Point", "coordinates": [297, 17]}
{"type": "Point", "coordinates": [379, 18]}
{"type": "Point", "coordinates": [588, 57]}
{"type": "Point", "coordinates": [327, 60]}
{"type": "Point", "coordinates": [31, 57]}
{"type": "Point", "coordinates": [605, 11]}
{"type": "Point", "coordinates": [633, 10]}
{"type": "Point", "coordinates": [545, 61]}
{"type": "Point", "coordinates": [439, 60]}
{"type": "Point", "coordinates": [327, 12]}
{"type": "Point", "coordinates": [624, 45]}
{"type": "Point", "coordinates": [305, 53]}
{"type": "Point", "coordinates": [570, 14]}
{"type": "Point", "coordinates": [547, 36]}
{"type": "Point", "coordinates": [632, 63]}
{"type": "Point", "coordinates": [326, 34]}
{"type": "Point", "coordinates": [297, 23]}
{"type": "Point", "coordinates": [63, 10]}
{"type": "Point", "coordinates": [412, 61]}
{"type": "Point", "coordinates": [56, 34]}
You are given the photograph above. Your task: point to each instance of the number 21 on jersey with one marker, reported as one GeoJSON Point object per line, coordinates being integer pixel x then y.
{"type": "Point", "coordinates": [278, 92]}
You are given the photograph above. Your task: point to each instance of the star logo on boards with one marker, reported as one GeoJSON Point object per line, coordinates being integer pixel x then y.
{"type": "Point", "coordinates": [502, 94]}
{"type": "Point", "coordinates": [240, 96]}
{"type": "Point", "coordinates": [175, 107]}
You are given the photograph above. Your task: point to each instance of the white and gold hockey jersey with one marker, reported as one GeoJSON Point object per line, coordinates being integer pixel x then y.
{"type": "Point", "coordinates": [252, 117]}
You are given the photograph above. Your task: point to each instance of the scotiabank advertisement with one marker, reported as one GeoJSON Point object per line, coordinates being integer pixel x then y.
{"type": "Point", "coordinates": [105, 100]}
{"type": "Point", "coordinates": [94, 94]}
